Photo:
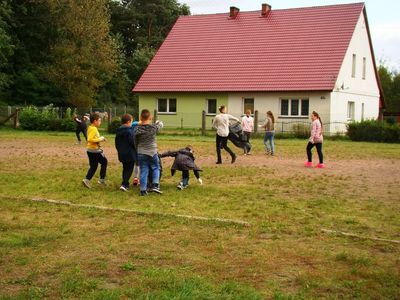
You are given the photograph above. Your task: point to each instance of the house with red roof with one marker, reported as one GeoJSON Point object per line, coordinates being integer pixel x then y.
{"type": "Point", "coordinates": [289, 61]}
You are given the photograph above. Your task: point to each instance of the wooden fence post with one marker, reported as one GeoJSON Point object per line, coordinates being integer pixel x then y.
{"type": "Point", "coordinates": [109, 116]}
{"type": "Point", "coordinates": [155, 116]}
{"type": "Point", "coordinates": [256, 121]}
{"type": "Point", "coordinates": [16, 118]}
{"type": "Point", "coordinates": [203, 122]}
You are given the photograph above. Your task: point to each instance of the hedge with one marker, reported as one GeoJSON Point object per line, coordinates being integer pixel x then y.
{"type": "Point", "coordinates": [31, 118]}
{"type": "Point", "coordinates": [374, 131]}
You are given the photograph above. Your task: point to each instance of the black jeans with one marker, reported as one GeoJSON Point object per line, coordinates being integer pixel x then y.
{"type": "Point", "coordinates": [127, 170]}
{"type": "Point", "coordinates": [221, 143]}
{"type": "Point", "coordinates": [78, 133]}
{"type": "Point", "coordinates": [185, 176]}
{"type": "Point", "coordinates": [94, 160]}
{"type": "Point", "coordinates": [319, 150]}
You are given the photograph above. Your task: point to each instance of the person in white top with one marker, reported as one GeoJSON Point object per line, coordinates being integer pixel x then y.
{"type": "Point", "coordinates": [248, 128]}
{"type": "Point", "coordinates": [221, 124]}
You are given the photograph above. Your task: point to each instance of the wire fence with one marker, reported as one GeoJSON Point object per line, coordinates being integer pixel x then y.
{"type": "Point", "coordinates": [184, 121]}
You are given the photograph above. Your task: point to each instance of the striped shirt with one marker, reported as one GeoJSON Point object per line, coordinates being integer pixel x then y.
{"type": "Point", "coordinates": [145, 138]}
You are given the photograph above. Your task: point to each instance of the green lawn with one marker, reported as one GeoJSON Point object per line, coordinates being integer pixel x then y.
{"type": "Point", "coordinates": [50, 250]}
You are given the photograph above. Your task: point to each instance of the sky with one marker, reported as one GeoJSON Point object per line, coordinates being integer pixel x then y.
{"type": "Point", "coordinates": [383, 18]}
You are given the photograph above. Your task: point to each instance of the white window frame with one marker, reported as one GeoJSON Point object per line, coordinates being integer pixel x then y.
{"type": "Point", "coordinates": [350, 110]}
{"type": "Point", "coordinates": [289, 115]}
{"type": "Point", "coordinates": [207, 106]}
{"type": "Point", "coordinates": [168, 108]}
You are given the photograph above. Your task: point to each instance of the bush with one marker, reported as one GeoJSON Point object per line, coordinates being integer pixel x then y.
{"type": "Point", "coordinates": [115, 124]}
{"type": "Point", "coordinates": [374, 131]}
{"type": "Point", "coordinates": [301, 131]}
{"type": "Point", "coordinates": [31, 118]}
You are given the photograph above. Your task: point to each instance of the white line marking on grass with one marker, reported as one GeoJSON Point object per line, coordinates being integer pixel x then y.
{"type": "Point", "coordinates": [137, 212]}
{"type": "Point", "coordinates": [359, 236]}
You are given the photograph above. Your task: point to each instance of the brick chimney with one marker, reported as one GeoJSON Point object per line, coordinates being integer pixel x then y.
{"type": "Point", "coordinates": [234, 11]}
{"type": "Point", "coordinates": [265, 9]}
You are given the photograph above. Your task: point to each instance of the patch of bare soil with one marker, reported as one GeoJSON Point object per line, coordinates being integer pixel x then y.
{"type": "Point", "coordinates": [376, 177]}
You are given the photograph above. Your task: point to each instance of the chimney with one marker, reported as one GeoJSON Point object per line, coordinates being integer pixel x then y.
{"type": "Point", "coordinates": [234, 11]}
{"type": "Point", "coordinates": [265, 9]}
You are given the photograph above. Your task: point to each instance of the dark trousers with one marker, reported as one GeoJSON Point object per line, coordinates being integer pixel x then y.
{"type": "Point", "coordinates": [185, 176]}
{"type": "Point", "coordinates": [247, 135]}
{"type": "Point", "coordinates": [127, 170]}
{"type": "Point", "coordinates": [319, 150]}
{"type": "Point", "coordinates": [221, 143]}
{"type": "Point", "coordinates": [94, 160]}
{"type": "Point", "coordinates": [78, 133]}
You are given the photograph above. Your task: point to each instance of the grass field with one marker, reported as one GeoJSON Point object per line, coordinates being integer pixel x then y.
{"type": "Point", "coordinates": [60, 251]}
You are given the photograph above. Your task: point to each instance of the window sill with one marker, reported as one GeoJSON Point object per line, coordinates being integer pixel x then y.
{"type": "Point", "coordinates": [166, 113]}
{"type": "Point", "coordinates": [211, 115]}
{"type": "Point", "coordinates": [293, 117]}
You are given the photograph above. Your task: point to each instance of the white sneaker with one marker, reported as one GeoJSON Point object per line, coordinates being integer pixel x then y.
{"type": "Point", "coordinates": [122, 188]}
{"type": "Point", "coordinates": [102, 182]}
{"type": "Point", "coordinates": [86, 183]}
{"type": "Point", "coordinates": [200, 181]}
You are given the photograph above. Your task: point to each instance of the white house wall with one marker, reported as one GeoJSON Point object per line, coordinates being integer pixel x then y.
{"type": "Point", "coordinates": [263, 102]}
{"type": "Point", "coordinates": [357, 89]}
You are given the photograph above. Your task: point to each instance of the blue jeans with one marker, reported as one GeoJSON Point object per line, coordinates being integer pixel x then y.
{"type": "Point", "coordinates": [269, 137]}
{"type": "Point", "coordinates": [148, 164]}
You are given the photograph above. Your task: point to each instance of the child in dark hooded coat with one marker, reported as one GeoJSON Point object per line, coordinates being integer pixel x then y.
{"type": "Point", "coordinates": [184, 161]}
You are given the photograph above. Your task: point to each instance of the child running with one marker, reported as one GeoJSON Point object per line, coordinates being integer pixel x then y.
{"type": "Point", "coordinates": [316, 140]}
{"type": "Point", "coordinates": [81, 127]}
{"type": "Point", "coordinates": [125, 144]}
{"type": "Point", "coordinates": [184, 161]}
{"type": "Point", "coordinates": [94, 152]}
{"type": "Point", "coordinates": [146, 147]}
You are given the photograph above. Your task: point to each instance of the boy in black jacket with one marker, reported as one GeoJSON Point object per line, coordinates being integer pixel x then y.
{"type": "Point", "coordinates": [125, 144]}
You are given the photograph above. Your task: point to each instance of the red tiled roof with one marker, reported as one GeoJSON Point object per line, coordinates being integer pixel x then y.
{"type": "Point", "coordinates": [289, 50]}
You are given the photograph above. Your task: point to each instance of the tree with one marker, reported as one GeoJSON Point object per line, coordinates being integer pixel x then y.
{"type": "Point", "coordinates": [6, 46]}
{"type": "Point", "coordinates": [83, 58]}
{"type": "Point", "coordinates": [32, 32]}
{"type": "Point", "coordinates": [390, 81]}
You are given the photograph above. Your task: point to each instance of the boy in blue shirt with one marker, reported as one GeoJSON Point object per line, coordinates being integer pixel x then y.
{"type": "Point", "coordinates": [125, 144]}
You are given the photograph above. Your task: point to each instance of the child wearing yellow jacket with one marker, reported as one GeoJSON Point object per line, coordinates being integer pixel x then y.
{"type": "Point", "coordinates": [94, 152]}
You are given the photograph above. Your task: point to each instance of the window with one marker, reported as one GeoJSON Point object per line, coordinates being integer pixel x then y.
{"type": "Point", "coordinates": [284, 107]}
{"type": "Point", "coordinates": [211, 106]}
{"type": "Point", "coordinates": [304, 107]}
{"type": "Point", "coordinates": [353, 67]}
{"type": "Point", "coordinates": [362, 112]}
{"type": "Point", "coordinates": [248, 103]}
{"type": "Point", "coordinates": [296, 107]}
{"type": "Point", "coordinates": [167, 105]}
{"type": "Point", "coordinates": [294, 110]}
{"type": "Point", "coordinates": [350, 110]}
{"type": "Point", "coordinates": [364, 67]}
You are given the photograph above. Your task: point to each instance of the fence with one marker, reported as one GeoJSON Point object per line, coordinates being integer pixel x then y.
{"type": "Point", "coordinates": [199, 120]}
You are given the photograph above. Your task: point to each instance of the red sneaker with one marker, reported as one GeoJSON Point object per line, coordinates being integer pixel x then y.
{"type": "Point", "coordinates": [308, 164]}
{"type": "Point", "coordinates": [320, 166]}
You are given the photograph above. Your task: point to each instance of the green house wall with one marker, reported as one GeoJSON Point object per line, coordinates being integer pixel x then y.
{"type": "Point", "coordinates": [189, 107]}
